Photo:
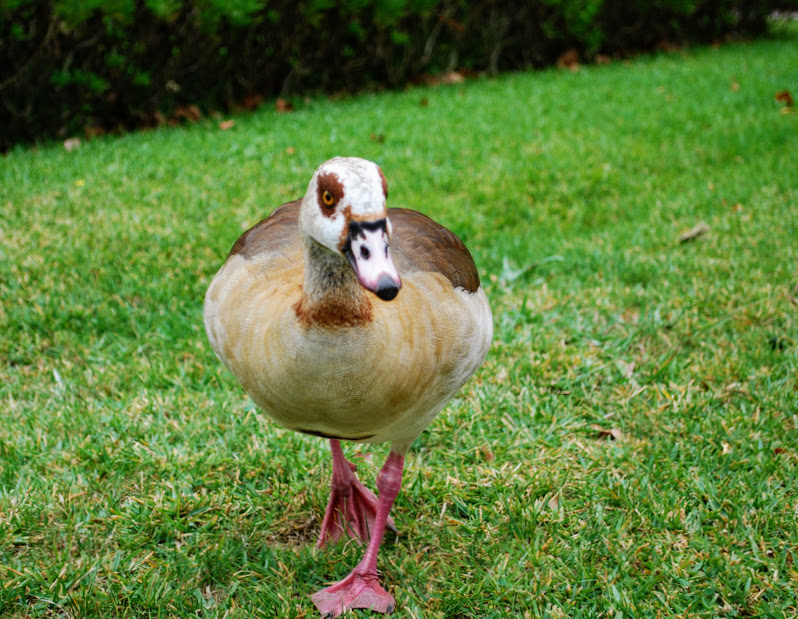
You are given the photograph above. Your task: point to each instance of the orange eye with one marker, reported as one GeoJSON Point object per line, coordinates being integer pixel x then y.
{"type": "Point", "coordinates": [327, 198]}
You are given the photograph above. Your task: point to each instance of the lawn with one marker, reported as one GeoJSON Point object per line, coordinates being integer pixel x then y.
{"type": "Point", "coordinates": [628, 449]}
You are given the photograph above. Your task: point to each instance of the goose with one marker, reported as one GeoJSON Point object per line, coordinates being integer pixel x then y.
{"type": "Point", "coordinates": [346, 320]}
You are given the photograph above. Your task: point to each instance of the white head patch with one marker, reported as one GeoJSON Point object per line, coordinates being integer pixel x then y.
{"type": "Point", "coordinates": [343, 189]}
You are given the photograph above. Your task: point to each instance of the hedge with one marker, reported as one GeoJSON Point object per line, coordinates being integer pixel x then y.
{"type": "Point", "coordinates": [83, 65]}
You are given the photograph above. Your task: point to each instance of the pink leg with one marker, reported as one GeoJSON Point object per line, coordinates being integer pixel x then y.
{"type": "Point", "coordinates": [352, 507]}
{"type": "Point", "coordinates": [361, 589]}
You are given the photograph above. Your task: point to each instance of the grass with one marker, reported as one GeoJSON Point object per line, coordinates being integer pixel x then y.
{"type": "Point", "coordinates": [627, 450]}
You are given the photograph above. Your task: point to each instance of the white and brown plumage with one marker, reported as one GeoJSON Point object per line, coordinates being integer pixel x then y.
{"type": "Point", "coordinates": [291, 313]}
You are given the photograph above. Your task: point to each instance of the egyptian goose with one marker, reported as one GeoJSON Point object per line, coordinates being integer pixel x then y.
{"type": "Point", "coordinates": [307, 313]}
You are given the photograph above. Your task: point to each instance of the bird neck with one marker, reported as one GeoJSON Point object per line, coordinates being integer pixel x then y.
{"type": "Point", "coordinates": [331, 294]}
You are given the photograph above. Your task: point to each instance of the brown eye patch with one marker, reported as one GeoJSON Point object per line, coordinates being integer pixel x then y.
{"type": "Point", "coordinates": [330, 192]}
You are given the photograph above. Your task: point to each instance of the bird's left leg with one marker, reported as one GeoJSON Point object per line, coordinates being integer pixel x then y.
{"type": "Point", "coordinates": [361, 589]}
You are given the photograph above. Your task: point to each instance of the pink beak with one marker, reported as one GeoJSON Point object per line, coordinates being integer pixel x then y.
{"type": "Point", "coordinates": [370, 257]}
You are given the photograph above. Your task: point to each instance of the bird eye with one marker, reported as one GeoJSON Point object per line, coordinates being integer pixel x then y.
{"type": "Point", "coordinates": [327, 198]}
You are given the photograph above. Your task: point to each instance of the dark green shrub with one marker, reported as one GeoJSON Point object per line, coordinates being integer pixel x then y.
{"type": "Point", "coordinates": [73, 64]}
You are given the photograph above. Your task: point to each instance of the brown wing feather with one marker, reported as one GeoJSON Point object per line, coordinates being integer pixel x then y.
{"type": "Point", "coordinates": [278, 233]}
{"type": "Point", "coordinates": [420, 244]}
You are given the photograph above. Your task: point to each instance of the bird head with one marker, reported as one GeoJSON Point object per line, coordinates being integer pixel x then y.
{"type": "Point", "coordinates": [344, 211]}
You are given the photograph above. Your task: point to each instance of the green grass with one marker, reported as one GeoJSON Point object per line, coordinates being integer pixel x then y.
{"type": "Point", "coordinates": [137, 480]}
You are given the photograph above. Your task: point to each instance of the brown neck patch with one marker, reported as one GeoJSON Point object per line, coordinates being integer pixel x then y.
{"type": "Point", "coordinates": [331, 297]}
{"type": "Point", "coordinates": [334, 313]}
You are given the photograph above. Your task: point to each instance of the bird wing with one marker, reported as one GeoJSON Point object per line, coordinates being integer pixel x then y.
{"type": "Point", "coordinates": [420, 244]}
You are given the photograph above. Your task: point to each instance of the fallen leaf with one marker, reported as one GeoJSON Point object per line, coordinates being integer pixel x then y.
{"type": "Point", "coordinates": [451, 23]}
{"type": "Point", "coordinates": [569, 60]}
{"type": "Point", "coordinates": [554, 503]}
{"type": "Point", "coordinates": [779, 450]}
{"type": "Point", "coordinates": [93, 131]}
{"type": "Point", "coordinates": [735, 86]}
{"type": "Point", "coordinates": [190, 112]}
{"type": "Point", "coordinates": [252, 102]}
{"type": "Point", "coordinates": [668, 46]}
{"type": "Point", "coordinates": [614, 434]}
{"type": "Point", "coordinates": [694, 232]}
{"type": "Point", "coordinates": [784, 96]}
{"type": "Point", "coordinates": [227, 124]}
{"type": "Point", "coordinates": [72, 144]}
{"type": "Point", "coordinates": [283, 105]}
{"type": "Point", "coordinates": [627, 369]}
{"type": "Point", "coordinates": [290, 150]}
{"type": "Point", "coordinates": [452, 77]}
{"type": "Point", "coordinates": [726, 449]}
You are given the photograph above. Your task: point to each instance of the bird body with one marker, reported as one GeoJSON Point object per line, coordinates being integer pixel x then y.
{"type": "Point", "coordinates": [380, 377]}
{"type": "Point", "coordinates": [308, 314]}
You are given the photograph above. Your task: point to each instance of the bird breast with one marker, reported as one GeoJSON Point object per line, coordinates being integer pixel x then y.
{"type": "Point", "coordinates": [379, 381]}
